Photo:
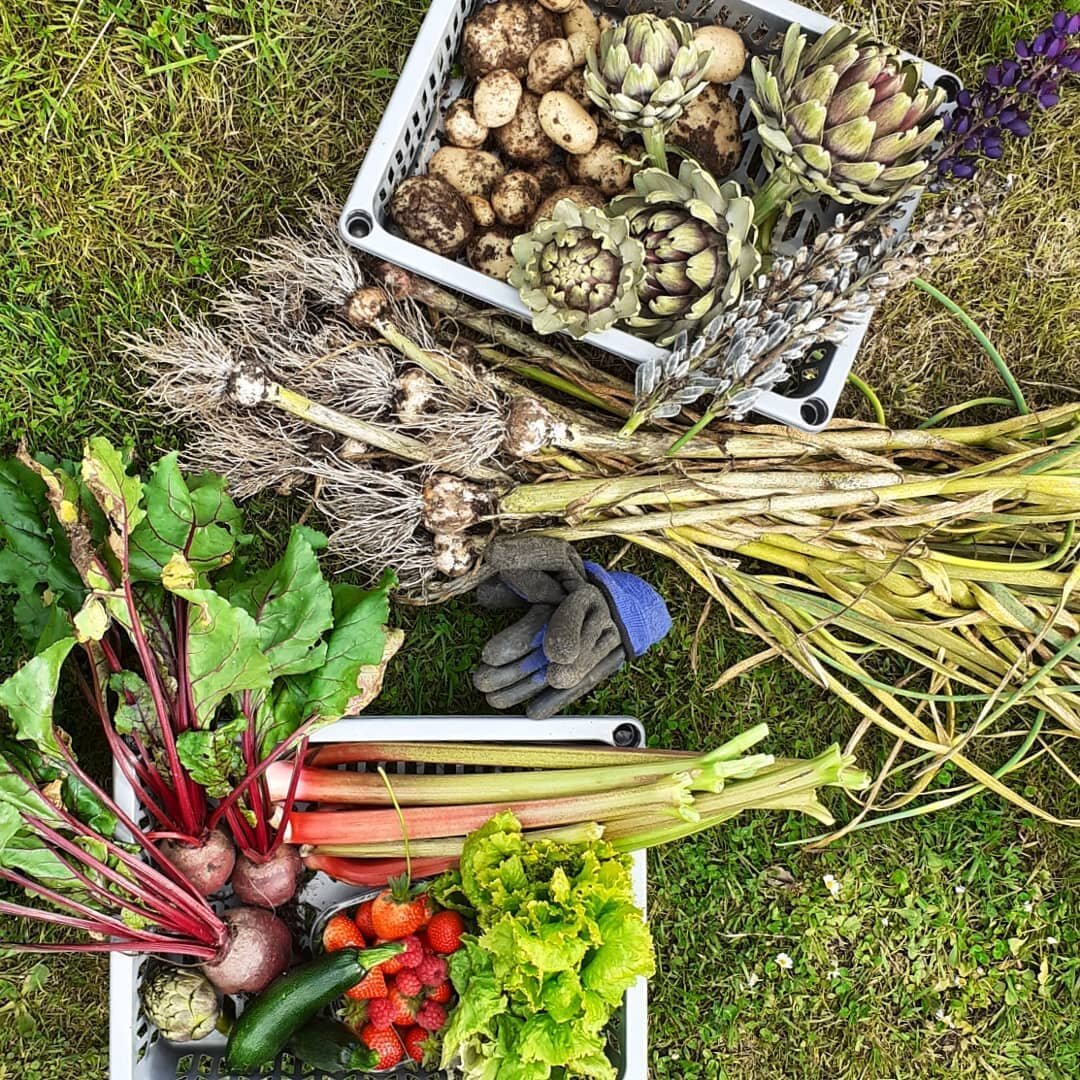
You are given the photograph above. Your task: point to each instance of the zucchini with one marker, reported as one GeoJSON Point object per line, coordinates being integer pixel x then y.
{"type": "Point", "coordinates": [332, 1047]}
{"type": "Point", "coordinates": [291, 1000]}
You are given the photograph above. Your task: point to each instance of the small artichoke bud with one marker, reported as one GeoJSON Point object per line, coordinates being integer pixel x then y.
{"type": "Point", "coordinates": [181, 1003]}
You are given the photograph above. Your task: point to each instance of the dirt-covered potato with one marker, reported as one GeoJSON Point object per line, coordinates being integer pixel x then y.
{"type": "Point", "coordinates": [709, 130]}
{"type": "Point", "coordinates": [504, 34]}
{"type": "Point", "coordinates": [496, 97]}
{"type": "Point", "coordinates": [580, 19]}
{"type": "Point", "coordinates": [579, 194]}
{"type": "Point", "coordinates": [491, 252]}
{"type": "Point", "coordinates": [483, 213]}
{"type": "Point", "coordinates": [551, 177]}
{"type": "Point", "coordinates": [566, 123]}
{"type": "Point", "coordinates": [727, 53]}
{"type": "Point", "coordinates": [432, 214]}
{"type": "Point", "coordinates": [462, 127]}
{"type": "Point", "coordinates": [551, 62]}
{"type": "Point", "coordinates": [472, 172]}
{"type": "Point", "coordinates": [605, 167]}
{"type": "Point", "coordinates": [560, 5]}
{"type": "Point", "coordinates": [574, 85]}
{"type": "Point", "coordinates": [516, 197]}
{"type": "Point", "coordinates": [523, 139]}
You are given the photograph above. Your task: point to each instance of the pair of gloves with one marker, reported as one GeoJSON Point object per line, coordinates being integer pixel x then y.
{"type": "Point", "coordinates": [580, 624]}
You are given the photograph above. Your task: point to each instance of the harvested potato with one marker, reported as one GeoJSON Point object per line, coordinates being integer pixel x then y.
{"type": "Point", "coordinates": [580, 19]}
{"type": "Point", "coordinates": [727, 53]}
{"type": "Point", "coordinates": [516, 197]}
{"type": "Point", "coordinates": [523, 139]}
{"type": "Point", "coordinates": [491, 252]}
{"type": "Point", "coordinates": [432, 214]}
{"type": "Point", "coordinates": [551, 177]}
{"type": "Point", "coordinates": [472, 172]}
{"type": "Point", "coordinates": [550, 63]}
{"type": "Point", "coordinates": [566, 123]}
{"type": "Point", "coordinates": [503, 35]}
{"type": "Point", "coordinates": [709, 130]}
{"type": "Point", "coordinates": [560, 5]}
{"type": "Point", "coordinates": [496, 98]}
{"type": "Point", "coordinates": [605, 167]}
{"type": "Point", "coordinates": [579, 194]}
{"type": "Point", "coordinates": [462, 127]}
{"type": "Point", "coordinates": [483, 213]}
{"type": "Point", "coordinates": [574, 85]}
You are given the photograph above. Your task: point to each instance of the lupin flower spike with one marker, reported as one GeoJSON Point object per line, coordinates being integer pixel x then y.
{"type": "Point", "coordinates": [1002, 105]}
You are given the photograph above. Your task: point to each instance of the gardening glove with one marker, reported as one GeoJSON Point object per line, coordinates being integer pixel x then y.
{"type": "Point", "coordinates": [528, 570]}
{"type": "Point", "coordinates": [558, 652]}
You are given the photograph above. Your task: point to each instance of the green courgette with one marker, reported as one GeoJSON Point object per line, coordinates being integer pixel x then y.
{"type": "Point", "coordinates": [330, 1046]}
{"type": "Point", "coordinates": [292, 1000]}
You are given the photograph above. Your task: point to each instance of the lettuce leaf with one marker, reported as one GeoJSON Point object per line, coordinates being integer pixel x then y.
{"type": "Point", "coordinates": [559, 943]}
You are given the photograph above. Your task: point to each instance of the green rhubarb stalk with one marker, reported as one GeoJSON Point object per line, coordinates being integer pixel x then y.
{"type": "Point", "coordinates": [348, 827]}
{"type": "Point", "coordinates": [514, 755]}
{"type": "Point", "coordinates": [585, 832]}
{"type": "Point", "coordinates": [454, 789]}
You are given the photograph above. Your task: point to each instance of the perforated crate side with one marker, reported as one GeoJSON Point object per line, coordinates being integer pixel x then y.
{"type": "Point", "coordinates": [407, 136]}
{"type": "Point", "coordinates": [135, 1051]}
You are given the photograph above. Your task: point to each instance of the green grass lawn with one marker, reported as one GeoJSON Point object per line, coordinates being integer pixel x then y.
{"type": "Point", "coordinates": [143, 146]}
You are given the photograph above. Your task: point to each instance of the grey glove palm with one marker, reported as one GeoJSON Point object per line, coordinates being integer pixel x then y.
{"type": "Point", "coordinates": [565, 643]}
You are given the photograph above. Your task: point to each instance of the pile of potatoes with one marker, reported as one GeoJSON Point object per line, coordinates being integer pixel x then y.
{"type": "Point", "coordinates": [528, 134]}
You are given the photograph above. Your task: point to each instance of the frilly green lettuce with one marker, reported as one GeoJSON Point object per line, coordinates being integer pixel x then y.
{"type": "Point", "coordinates": [559, 942]}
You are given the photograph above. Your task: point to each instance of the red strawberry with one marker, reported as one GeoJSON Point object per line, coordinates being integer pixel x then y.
{"type": "Point", "coordinates": [342, 933]}
{"type": "Point", "coordinates": [385, 1043]}
{"type": "Point", "coordinates": [431, 970]}
{"type": "Point", "coordinates": [416, 1041]}
{"type": "Point", "coordinates": [373, 985]}
{"type": "Point", "coordinates": [432, 1016]}
{"type": "Point", "coordinates": [441, 993]}
{"type": "Point", "coordinates": [395, 913]}
{"type": "Point", "coordinates": [381, 1013]}
{"type": "Point", "coordinates": [408, 982]}
{"type": "Point", "coordinates": [363, 920]}
{"type": "Point", "coordinates": [406, 1008]}
{"type": "Point", "coordinates": [444, 931]}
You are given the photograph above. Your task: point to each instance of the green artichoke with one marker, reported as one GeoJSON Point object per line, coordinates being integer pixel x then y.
{"type": "Point", "coordinates": [699, 241]}
{"type": "Point", "coordinates": [847, 117]}
{"type": "Point", "coordinates": [644, 73]}
{"type": "Point", "coordinates": [181, 1003]}
{"type": "Point", "coordinates": [578, 271]}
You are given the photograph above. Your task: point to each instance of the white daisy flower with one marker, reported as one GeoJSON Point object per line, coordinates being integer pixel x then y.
{"type": "Point", "coordinates": [784, 962]}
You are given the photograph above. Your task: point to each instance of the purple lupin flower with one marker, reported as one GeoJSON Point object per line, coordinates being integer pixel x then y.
{"type": "Point", "coordinates": [1002, 106]}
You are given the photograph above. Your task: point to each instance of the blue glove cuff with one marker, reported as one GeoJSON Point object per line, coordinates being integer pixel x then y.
{"type": "Point", "coordinates": [637, 608]}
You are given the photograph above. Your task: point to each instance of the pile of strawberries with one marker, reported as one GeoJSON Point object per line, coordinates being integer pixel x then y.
{"type": "Point", "coordinates": [399, 1005]}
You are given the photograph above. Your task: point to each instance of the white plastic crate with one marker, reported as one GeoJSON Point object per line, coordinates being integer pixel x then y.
{"type": "Point", "coordinates": [136, 1052]}
{"type": "Point", "coordinates": [408, 136]}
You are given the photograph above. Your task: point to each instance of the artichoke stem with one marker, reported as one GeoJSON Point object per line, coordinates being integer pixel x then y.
{"type": "Point", "coordinates": [770, 200]}
{"type": "Point", "coordinates": [656, 146]}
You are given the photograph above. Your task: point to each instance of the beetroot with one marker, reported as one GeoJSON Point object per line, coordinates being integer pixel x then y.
{"type": "Point", "coordinates": [258, 950]}
{"type": "Point", "coordinates": [271, 883]}
{"type": "Point", "coordinates": [207, 866]}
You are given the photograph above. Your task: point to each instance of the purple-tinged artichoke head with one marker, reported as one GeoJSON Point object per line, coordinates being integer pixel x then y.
{"type": "Point", "coordinates": [847, 116]}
